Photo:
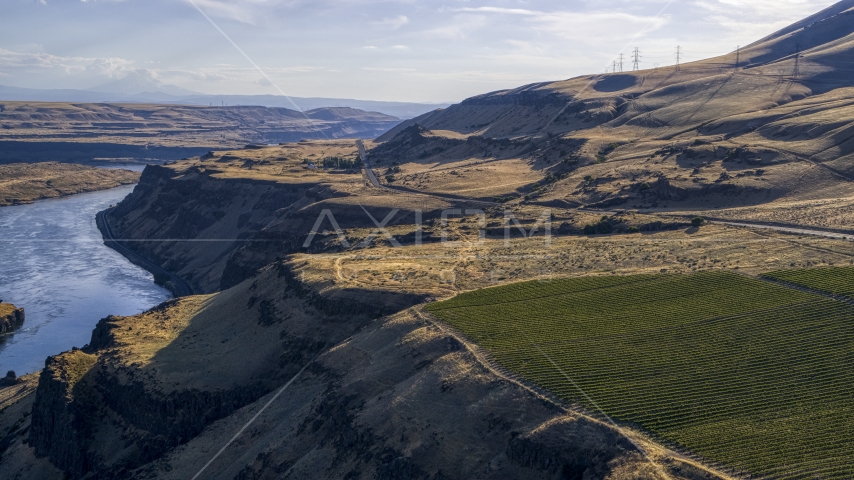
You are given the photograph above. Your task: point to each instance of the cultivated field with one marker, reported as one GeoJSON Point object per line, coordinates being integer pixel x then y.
{"type": "Point", "coordinates": [833, 280]}
{"type": "Point", "coordinates": [743, 372]}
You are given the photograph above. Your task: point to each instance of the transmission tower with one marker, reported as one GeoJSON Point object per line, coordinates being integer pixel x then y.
{"type": "Point", "coordinates": [737, 55]}
{"type": "Point", "coordinates": [614, 68]}
{"type": "Point", "coordinates": [621, 62]}
{"type": "Point", "coordinates": [678, 56]}
{"type": "Point", "coordinates": [636, 59]}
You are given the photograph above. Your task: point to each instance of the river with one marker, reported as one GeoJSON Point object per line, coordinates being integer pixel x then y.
{"type": "Point", "coordinates": [53, 263]}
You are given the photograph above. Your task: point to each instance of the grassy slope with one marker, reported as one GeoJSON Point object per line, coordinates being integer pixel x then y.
{"type": "Point", "coordinates": [744, 372]}
{"type": "Point", "coordinates": [25, 183]}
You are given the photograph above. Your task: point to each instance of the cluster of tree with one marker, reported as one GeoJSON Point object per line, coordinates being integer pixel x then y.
{"type": "Point", "coordinates": [344, 163]}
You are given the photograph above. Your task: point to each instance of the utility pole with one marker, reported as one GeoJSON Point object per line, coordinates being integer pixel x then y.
{"type": "Point", "coordinates": [621, 62]}
{"type": "Point", "coordinates": [678, 56]}
{"type": "Point", "coordinates": [614, 69]}
{"type": "Point", "coordinates": [636, 60]}
{"type": "Point", "coordinates": [737, 55]}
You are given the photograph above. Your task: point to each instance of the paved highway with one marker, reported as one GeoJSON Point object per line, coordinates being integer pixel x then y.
{"type": "Point", "coordinates": [369, 172]}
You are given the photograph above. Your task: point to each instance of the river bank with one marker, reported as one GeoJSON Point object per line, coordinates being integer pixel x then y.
{"type": "Point", "coordinates": [56, 266]}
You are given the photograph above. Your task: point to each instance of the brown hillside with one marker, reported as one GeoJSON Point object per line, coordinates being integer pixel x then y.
{"type": "Point", "coordinates": [774, 126]}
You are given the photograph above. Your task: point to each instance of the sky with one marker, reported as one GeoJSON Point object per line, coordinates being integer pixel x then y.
{"type": "Point", "coordinates": [394, 50]}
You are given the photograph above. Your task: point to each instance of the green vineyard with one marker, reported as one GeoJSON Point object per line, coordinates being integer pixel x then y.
{"type": "Point", "coordinates": [835, 280]}
{"type": "Point", "coordinates": [747, 373]}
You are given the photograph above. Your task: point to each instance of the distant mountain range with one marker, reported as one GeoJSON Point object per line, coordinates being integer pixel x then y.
{"type": "Point", "coordinates": [142, 88]}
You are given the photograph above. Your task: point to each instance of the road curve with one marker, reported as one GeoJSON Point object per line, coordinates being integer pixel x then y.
{"type": "Point", "coordinates": [369, 173]}
{"type": "Point", "coordinates": [179, 287]}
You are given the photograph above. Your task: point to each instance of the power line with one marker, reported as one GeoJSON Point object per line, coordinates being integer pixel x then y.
{"type": "Point", "coordinates": [636, 59]}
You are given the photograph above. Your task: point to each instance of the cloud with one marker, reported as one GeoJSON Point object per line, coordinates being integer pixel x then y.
{"type": "Point", "coordinates": [598, 26]}
{"type": "Point", "coordinates": [245, 11]}
{"type": "Point", "coordinates": [388, 69]}
{"type": "Point", "coordinates": [373, 48]}
{"type": "Point", "coordinates": [605, 25]}
{"type": "Point", "coordinates": [32, 62]}
{"type": "Point", "coordinates": [500, 10]}
{"type": "Point", "coordinates": [394, 23]}
{"type": "Point", "coordinates": [740, 14]}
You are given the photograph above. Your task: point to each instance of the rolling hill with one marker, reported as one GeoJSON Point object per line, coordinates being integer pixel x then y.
{"type": "Point", "coordinates": [771, 123]}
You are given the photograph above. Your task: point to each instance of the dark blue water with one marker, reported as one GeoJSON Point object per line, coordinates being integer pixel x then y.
{"type": "Point", "coordinates": [54, 264]}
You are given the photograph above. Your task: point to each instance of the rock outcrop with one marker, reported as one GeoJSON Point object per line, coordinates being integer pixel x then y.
{"type": "Point", "coordinates": [246, 222]}
{"type": "Point", "coordinates": [11, 318]}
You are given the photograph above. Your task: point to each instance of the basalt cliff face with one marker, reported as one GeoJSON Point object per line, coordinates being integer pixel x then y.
{"type": "Point", "coordinates": [214, 225]}
{"type": "Point", "coordinates": [11, 318]}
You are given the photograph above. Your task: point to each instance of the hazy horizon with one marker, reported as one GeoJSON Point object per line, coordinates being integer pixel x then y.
{"type": "Point", "coordinates": [407, 51]}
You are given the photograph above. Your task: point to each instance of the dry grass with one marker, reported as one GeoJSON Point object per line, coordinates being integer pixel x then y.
{"type": "Point", "coordinates": [7, 309]}
{"type": "Point", "coordinates": [444, 270]}
{"type": "Point", "coordinates": [27, 182]}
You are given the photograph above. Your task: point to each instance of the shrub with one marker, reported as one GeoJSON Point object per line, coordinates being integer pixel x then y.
{"type": "Point", "coordinates": [603, 227]}
{"type": "Point", "coordinates": [698, 222]}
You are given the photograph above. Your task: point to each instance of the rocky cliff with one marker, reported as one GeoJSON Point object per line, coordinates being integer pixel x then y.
{"type": "Point", "coordinates": [216, 220]}
{"type": "Point", "coordinates": [11, 318]}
